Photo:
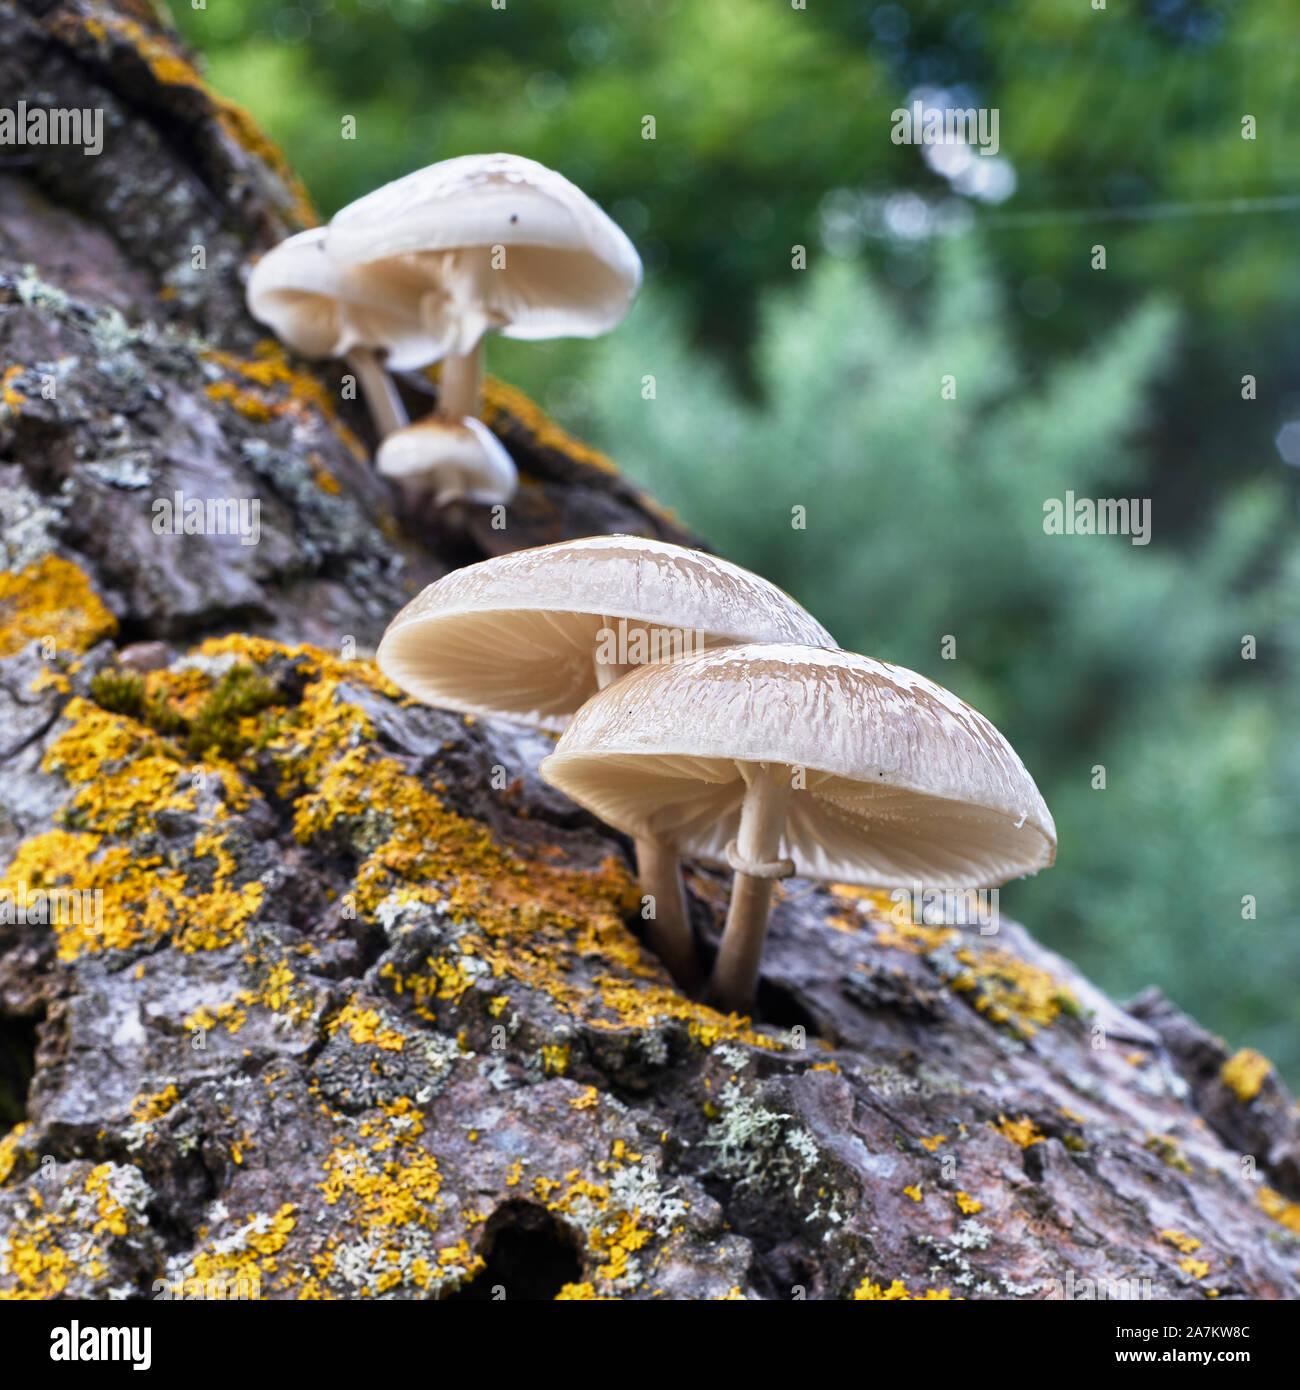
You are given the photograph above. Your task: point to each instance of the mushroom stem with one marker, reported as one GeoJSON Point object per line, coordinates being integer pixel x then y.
{"type": "Point", "coordinates": [460, 384]}
{"type": "Point", "coordinates": [387, 412]}
{"type": "Point", "coordinates": [762, 819]}
{"type": "Point", "coordinates": [453, 510]}
{"type": "Point", "coordinates": [668, 930]}
{"type": "Point", "coordinates": [607, 672]}
{"type": "Point", "coordinates": [659, 872]}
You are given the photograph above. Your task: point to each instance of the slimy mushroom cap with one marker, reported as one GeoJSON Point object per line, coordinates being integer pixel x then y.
{"type": "Point", "coordinates": [513, 637]}
{"type": "Point", "coordinates": [451, 459]}
{"type": "Point", "coordinates": [497, 243]}
{"type": "Point", "coordinates": [321, 309]}
{"type": "Point", "coordinates": [901, 781]}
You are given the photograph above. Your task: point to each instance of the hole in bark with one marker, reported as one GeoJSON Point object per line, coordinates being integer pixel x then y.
{"type": "Point", "coordinates": [529, 1255]}
{"type": "Point", "coordinates": [778, 1007]}
{"type": "Point", "coordinates": [17, 1067]}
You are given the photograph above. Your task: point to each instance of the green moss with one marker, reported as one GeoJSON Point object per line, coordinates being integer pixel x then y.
{"type": "Point", "coordinates": [125, 692]}
{"type": "Point", "coordinates": [213, 728]}
{"type": "Point", "coordinates": [1068, 1004]}
{"type": "Point", "coordinates": [239, 693]}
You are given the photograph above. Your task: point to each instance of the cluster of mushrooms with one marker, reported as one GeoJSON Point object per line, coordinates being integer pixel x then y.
{"type": "Point", "coordinates": [419, 272]}
{"type": "Point", "coordinates": [700, 709]}
{"type": "Point", "coordinates": [704, 713]}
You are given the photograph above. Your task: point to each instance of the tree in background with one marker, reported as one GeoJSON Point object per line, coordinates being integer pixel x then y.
{"type": "Point", "coordinates": [913, 526]}
{"type": "Point", "coordinates": [1121, 127]}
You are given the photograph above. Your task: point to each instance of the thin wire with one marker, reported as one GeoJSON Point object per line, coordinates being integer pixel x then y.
{"type": "Point", "coordinates": [1222, 207]}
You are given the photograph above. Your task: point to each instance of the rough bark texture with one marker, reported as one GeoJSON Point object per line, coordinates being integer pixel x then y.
{"type": "Point", "coordinates": [365, 1010]}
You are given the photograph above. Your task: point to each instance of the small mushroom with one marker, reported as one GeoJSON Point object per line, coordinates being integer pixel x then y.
{"type": "Point", "coordinates": [454, 460]}
{"type": "Point", "coordinates": [782, 759]}
{"type": "Point", "coordinates": [531, 635]}
{"type": "Point", "coordinates": [496, 243]}
{"type": "Point", "coordinates": [323, 310]}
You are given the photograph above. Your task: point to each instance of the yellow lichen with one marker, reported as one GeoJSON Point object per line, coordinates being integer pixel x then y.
{"type": "Point", "coordinates": [389, 1186]}
{"type": "Point", "coordinates": [1244, 1073]}
{"type": "Point", "coordinates": [498, 399]}
{"type": "Point", "coordinates": [251, 407]}
{"type": "Point", "coordinates": [1022, 1132]}
{"type": "Point", "coordinates": [585, 1292]}
{"type": "Point", "coordinates": [1168, 1152]}
{"type": "Point", "coordinates": [896, 1293]}
{"type": "Point", "coordinates": [147, 1108]}
{"type": "Point", "coordinates": [244, 1262]}
{"type": "Point", "coordinates": [1198, 1269]}
{"type": "Point", "coordinates": [268, 386]}
{"type": "Point", "coordinates": [615, 1234]}
{"type": "Point", "coordinates": [38, 1267]}
{"type": "Point", "coordinates": [112, 1215]}
{"type": "Point", "coordinates": [9, 1149]}
{"type": "Point", "coordinates": [125, 776]}
{"type": "Point", "coordinates": [1003, 987]}
{"type": "Point", "coordinates": [279, 992]}
{"type": "Point", "coordinates": [527, 918]}
{"type": "Point", "coordinates": [933, 1142]}
{"type": "Point", "coordinates": [1180, 1241]}
{"type": "Point", "coordinates": [364, 1026]}
{"type": "Point", "coordinates": [51, 599]}
{"type": "Point", "coordinates": [968, 1205]}
{"type": "Point", "coordinates": [45, 1248]}
{"type": "Point", "coordinates": [1011, 991]}
{"type": "Point", "coordinates": [524, 918]}
{"type": "Point", "coordinates": [48, 678]}
{"type": "Point", "coordinates": [10, 396]}
{"type": "Point", "coordinates": [327, 482]}
{"type": "Point", "coordinates": [1275, 1205]}
{"type": "Point", "coordinates": [169, 67]}
{"type": "Point", "coordinates": [913, 1191]}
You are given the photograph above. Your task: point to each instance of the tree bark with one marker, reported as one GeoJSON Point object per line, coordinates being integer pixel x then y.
{"type": "Point", "coordinates": [336, 989]}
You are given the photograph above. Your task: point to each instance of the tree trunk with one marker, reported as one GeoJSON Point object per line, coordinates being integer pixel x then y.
{"type": "Point", "coordinates": [312, 978]}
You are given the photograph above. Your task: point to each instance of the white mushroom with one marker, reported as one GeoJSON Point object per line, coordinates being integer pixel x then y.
{"type": "Point", "coordinates": [497, 243]}
{"type": "Point", "coordinates": [779, 759]}
{"type": "Point", "coordinates": [454, 460]}
{"type": "Point", "coordinates": [321, 309]}
{"type": "Point", "coordinates": [531, 635]}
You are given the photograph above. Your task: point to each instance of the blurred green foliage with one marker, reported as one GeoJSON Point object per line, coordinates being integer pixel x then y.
{"type": "Point", "coordinates": [924, 521]}
{"type": "Point", "coordinates": [773, 388]}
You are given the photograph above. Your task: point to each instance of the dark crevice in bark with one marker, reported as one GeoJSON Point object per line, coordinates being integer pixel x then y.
{"type": "Point", "coordinates": [529, 1255]}
{"type": "Point", "coordinates": [19, 1038]}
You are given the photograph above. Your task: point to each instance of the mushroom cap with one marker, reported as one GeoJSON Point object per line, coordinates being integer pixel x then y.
{"type": "Point", "coordinates": [515, 637]}
{"type": "Point", "coordinates": [321, 309]}
{"type": "Point", "coordinates": [904, 782]}
{"type": "Point", "coordinates": [453, 458]}
{"type": "Point", "coordinates": [569, 271]}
